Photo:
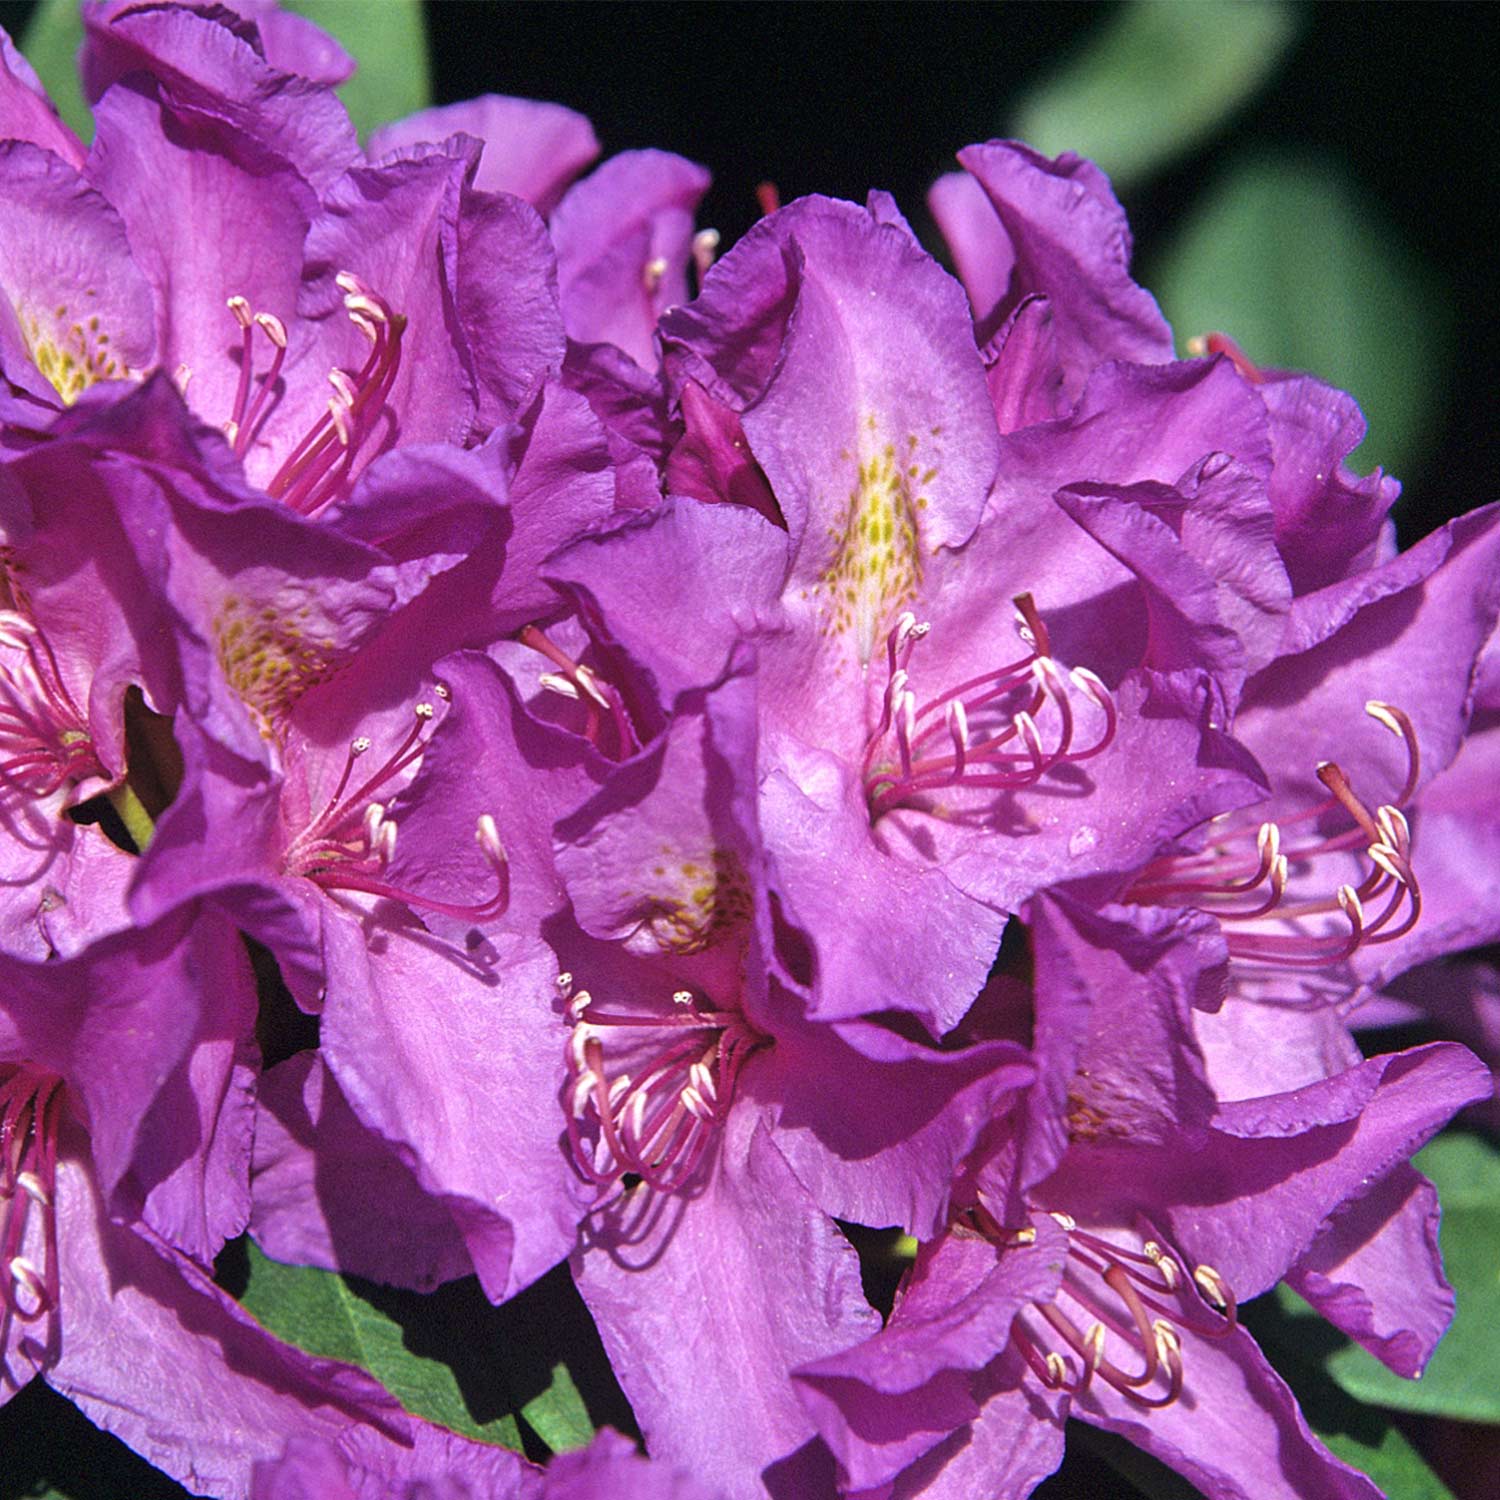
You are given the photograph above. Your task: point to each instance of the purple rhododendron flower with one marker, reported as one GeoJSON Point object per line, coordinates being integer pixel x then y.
{"type": "Point", "coordinates": [723, 756]}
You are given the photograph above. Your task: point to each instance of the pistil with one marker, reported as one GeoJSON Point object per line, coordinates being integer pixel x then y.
{"type": "Point", "coordinates": [983, 733]}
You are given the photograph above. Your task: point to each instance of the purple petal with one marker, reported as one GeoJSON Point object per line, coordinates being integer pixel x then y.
{"type": "Point", "coordinates": [531, 149]}
{"type": "Point", "coordinates": [77, 309]}
{"type": "Point", "coordinates": [214, 67]}
{"type": "Point", "coordinates": [1070, 242]}
{"type": "Point", "coordinates": [1236, 1432]}
{"type": "Point", "coordinates": [328, 1192]}
{"type": "Point", "coordinates": [750, 1255]}
{"type": "Point", "coordinates": [624, 238]}
{"type": "Point", "coordinates": [1376, 1272]}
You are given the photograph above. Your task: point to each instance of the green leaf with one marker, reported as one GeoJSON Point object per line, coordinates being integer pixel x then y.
{"type": "Point", "coordinates": [558, 1416]}
{"type": "Point", "coordinates": [1158, 78]}
{"type": "Point", "coordinates": [50, 44]}
{"type": "Point", "coordinates": [388, 41]}
{"type": "Point", "coordinates": [1285, 256]}
{"type": "Point", "coordinates": [320, 1312]}
{"type": "Point", "coordinates": [1460, 1379]}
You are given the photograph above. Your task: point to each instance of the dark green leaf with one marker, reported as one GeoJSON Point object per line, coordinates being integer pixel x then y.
{"type": "Point", "coordinates": [1460, 1379]}
{"type": "Point", "coordinates": [1156, 79]}
{"type": "Point", "coordinates": [50, 44]}
{"type": "Point", "coordinates": [1286, 257]}
{"type": "Point", "coordinates": [388, 41]}
{"type": "Point", "coordinates": [321, 1313]}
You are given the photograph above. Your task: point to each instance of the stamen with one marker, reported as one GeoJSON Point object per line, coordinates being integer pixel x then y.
{"type": "Point", "coordinates": [984, 732]}
{"type": "Point", "coordinates": [705, 249]}
{"type": "Point", "coordinates": [315, 471]}
{"type": "Point", "coordinates": [658, 1122]}
{"type": "Point", "coordinates": [1214, 880]}
{"type": "Point", "coordinates": [607, 726]}
{"type": "Point", "coordinates": [44, 737]}
{"type": "Point", "coordinates": [350, 844]}
{"type": "Point", "coordinates": [30, 1113]}
{"type": "Point", "coordinates": [1112, 1299]}
{"type": "Point", "coordinates": [1220, 343]}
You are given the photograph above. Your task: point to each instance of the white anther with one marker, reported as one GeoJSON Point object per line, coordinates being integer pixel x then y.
{"type": "Point", "coordinates": [906, 717]}
{"type": "Point", "coordinates": [579, 1004]}
{"type": "Point", "coordinates": [180, 378]}
{"type": "Point", "coordinates": [364, 308]}
{"type": "Point", "coordinates": [1268, 843]}
{"type": "Point", "coordinates": [682, 997]}
{"type": "Point", "coordinates": [1212, 1285]}
{"type": "Point", "coordinates": [374, 819]}
{"type": "Point", "coordinates": [31, 1185]}
{"type": "Point", "coordinates": [1386, 859]}
{"type": "Point", "coordinates": [1093, 1343]}
{"type": "Point", "coordinates": [359, 744]}
{"type": "Point", "coordinates": [958, 723]}
{"type": "Point", "coordinates": [583, 1096]}
{"type": "Point", "coordinates": [619, 1088]}
{"type": "Point", "coordinates": [241, 310]}
{"type": "Point", "coordinates": [1394, 826]}
{"type": "Point", "coordinates": [385, 842]}
{"type": "Point", "coordinates": [1349, 902]}
{"type": "Point", "coordinates": [231, 431]}
{"type": "Point", "coordinates": [424, 710]}
{"type": "Point", "coordinates": [350, 284]}
{"type": "Point", "coordinates": [590, 685]}
{"type": "Point", "coordinates": [634, 1122]}
{"type": "Point", "coordinates": [1057, 1370]}
{"type": "Point", "coordinates": [273, 328]}
{"type": "Point", "coordinates": [487, 836]}
{"type": "Point", "coordinates": [652, 272]}
{"type": "Point", "coordinates": [705, 247]}
{"type": "Point", "coordinates": [696, 1105]}
{"type": "Point", "coordinates": [338, 414]}
{"type": "Point", "coordinates": [1066, 1221]}
{"type": "Point", "coordinates": [1090, 684]}
{"type": "Point", "coordinates": [1023, 1237]}
{"type": "Point", "coordinates": [1382, 714]}
{"type": "Point", "coordinates": [703, 1081]}
{"type": "Point", "coordinates": [443, 691]}
{"type": "Point", "coordinates": [550, 682]}
{"type": "Point", "coordinates": [578, 1040]}
{"type": "Point", "coordinates": [25, 1274]}
{"type": "Point", "coordinates": [564, 982]}
{"type": "Point", "coordinates": [343, 385]}
{"type": "Point", "coordinates": [1167, 1342]}
{"type": "Point", "coordinates": [1050, 676]}
{"type": "Point", "coordinates": [1026, 728]}
{"type": "Point", "coordinates": [369, 329]}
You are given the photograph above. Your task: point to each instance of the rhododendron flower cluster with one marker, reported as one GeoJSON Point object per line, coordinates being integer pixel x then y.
{"type": "Point", "coordinates": [720, 754]}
